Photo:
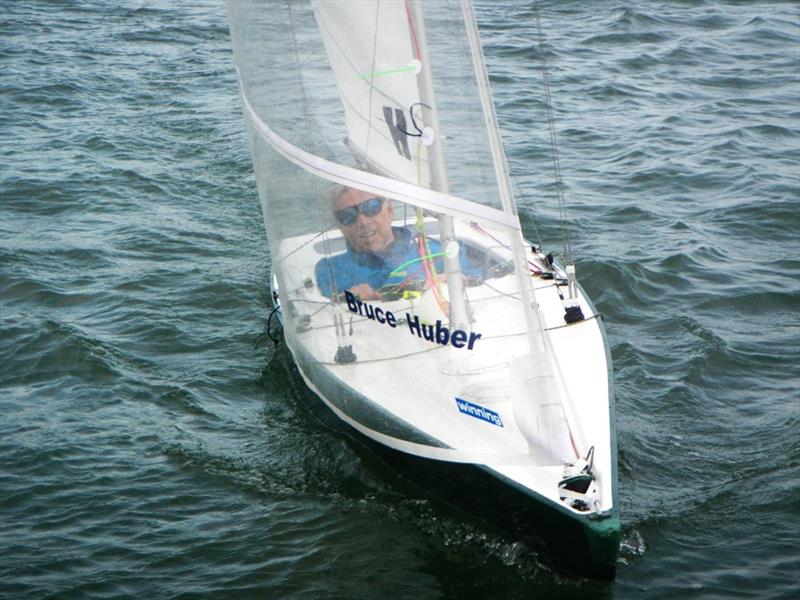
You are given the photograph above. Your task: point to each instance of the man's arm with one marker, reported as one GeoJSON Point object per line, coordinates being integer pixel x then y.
{"type": "Point", "coordinates": [364, 291]}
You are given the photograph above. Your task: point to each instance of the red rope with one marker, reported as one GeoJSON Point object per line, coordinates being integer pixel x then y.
{"type": "Point", "coordinates": [429, 276]}
{"type": "Point", "coordinates": [417, 53]}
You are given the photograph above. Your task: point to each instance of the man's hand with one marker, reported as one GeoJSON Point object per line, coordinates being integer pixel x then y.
{"type": "Point", "coordinates": [365, 292]}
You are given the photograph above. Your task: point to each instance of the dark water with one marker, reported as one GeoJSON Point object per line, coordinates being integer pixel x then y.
{"type": "Point", "coordinates": [154, 443]}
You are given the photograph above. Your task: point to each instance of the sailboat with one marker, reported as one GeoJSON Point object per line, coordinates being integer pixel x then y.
{"type": "Point", "coordinates": [410, 300]}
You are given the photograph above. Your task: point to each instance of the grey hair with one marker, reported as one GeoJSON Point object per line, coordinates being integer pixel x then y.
{"type": "Point", "coordinates": [336, 191]}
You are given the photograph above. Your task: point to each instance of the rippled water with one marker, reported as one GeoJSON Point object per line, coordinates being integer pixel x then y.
{"type": "Point", "coordinates": [152, 441]}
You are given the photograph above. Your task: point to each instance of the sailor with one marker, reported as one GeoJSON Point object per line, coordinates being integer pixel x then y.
{"type": "Point", "coordinates": [378, 255]}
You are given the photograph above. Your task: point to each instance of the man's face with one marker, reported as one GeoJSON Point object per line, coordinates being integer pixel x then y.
{"type": "Point", "coordinates": [366, 234]}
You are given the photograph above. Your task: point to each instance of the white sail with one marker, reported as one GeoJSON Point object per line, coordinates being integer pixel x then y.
{"type": "Point", "coordinates": [375, 58]}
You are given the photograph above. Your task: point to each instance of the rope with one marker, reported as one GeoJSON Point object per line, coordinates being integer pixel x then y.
{"type": "Point", "coordinates": [303, 245]}
{"type": "Point", "coordinates": [413, 260]}
{"type": "Point", "coordinates": [430, 267]}
{"type": "Point", "coordinates": [551, 125]}
{"type": "Point", "coordinates": [523, 201]}
{"type": "Point", "coordinates": [275, 341]}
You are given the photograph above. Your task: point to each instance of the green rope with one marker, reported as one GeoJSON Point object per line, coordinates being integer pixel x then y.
{"type": "Point", "coordinates": [385, 72]}
{"type": "Point", "coordinates": [413, 260]}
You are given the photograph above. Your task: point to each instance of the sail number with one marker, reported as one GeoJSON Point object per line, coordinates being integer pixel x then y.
{"type": "Point", "coordinates": [396, 120]}
{"type": "Point", "coordinates": [398, 128]}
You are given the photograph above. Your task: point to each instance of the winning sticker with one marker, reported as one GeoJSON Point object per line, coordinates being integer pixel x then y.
{"type": "Point", "coordinates": [479, 412]}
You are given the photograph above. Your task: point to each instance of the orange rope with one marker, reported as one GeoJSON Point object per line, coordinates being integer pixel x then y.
{"type": "Point", "coordinates": [430, 278]}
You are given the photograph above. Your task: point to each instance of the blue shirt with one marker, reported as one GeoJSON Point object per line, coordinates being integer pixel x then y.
{"type": "Point", "coordinates": [375, 268]}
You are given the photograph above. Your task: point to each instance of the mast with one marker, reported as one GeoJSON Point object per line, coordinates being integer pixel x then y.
{"type": "Point", "coordinates": [459, 312]}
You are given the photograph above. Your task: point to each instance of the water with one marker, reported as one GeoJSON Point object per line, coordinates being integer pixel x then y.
{"type": "Point", "coordinates": [153, 442]}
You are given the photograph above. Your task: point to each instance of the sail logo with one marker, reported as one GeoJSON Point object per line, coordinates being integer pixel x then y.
{"type": "Point", "coordinates": [396, 120]}
{"type": "Point", "coordinates": [479, 412]}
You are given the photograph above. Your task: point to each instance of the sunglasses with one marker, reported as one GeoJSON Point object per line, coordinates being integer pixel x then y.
{"type": "Point", "coordinates": [368, 208]}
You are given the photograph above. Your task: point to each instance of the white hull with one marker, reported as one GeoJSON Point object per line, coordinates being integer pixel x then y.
{"type": "Point", "coordinates": [387, 393]}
